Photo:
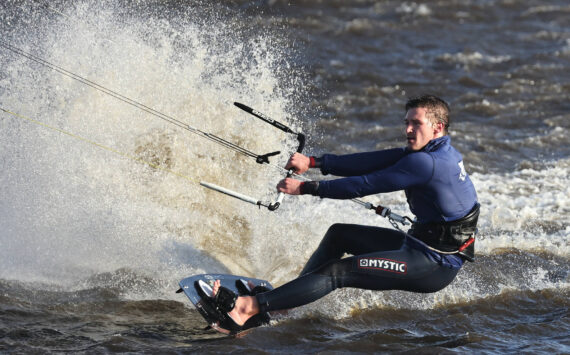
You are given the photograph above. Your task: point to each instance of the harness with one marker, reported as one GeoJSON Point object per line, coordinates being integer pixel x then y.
{"type": "Point", "coordinates": [455, 237]}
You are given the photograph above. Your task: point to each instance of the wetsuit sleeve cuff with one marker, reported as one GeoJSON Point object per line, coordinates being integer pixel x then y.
{"type": "Point", "coordinates": [310, 188]}
{"type": "Point", "coordinates": [315, 162]}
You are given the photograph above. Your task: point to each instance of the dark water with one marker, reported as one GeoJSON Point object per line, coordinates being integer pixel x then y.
{"type": "Point", "coordinates": [92, 244]}
{"type": "Point", "coordinates": [97, 321]}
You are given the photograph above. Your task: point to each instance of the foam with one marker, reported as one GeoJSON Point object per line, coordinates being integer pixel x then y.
{"type": "Point", "coordinates": [72, 210]}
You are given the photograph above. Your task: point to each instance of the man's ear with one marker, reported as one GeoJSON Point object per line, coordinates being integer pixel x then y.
{"type": "Point", "coordinates": [438, 128]}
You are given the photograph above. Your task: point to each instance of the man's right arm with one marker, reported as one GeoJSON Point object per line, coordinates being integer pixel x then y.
{"type": "Point", "coordinates": [413, 170]}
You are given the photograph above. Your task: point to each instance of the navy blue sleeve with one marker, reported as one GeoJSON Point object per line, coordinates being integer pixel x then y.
{"type": "Point", "coordinates": [411, 170]}
{"type": "Point", "coordinates": [360, 163]}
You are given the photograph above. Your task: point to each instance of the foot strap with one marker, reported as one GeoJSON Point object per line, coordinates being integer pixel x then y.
{"type": "Point", "coordinates": [225, 299]}
{"type": "Point", "coordinates": [245, 290]}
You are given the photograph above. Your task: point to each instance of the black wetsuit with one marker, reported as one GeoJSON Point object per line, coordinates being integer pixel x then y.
{"type": "Point", "coordinates": [438, 191]}
{"type": "Point", "coordinates": [385, 259]}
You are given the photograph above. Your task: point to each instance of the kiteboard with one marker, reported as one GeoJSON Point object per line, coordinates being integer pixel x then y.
{"type": "Point", "coordinates": [198, 289]}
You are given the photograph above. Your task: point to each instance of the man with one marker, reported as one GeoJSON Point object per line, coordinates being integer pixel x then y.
{"type": "Point", "coordinates": [427, 259]}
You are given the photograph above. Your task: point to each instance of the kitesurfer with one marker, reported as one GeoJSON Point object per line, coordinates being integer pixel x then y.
{"type": "Point", "coordinates": [425, 259]}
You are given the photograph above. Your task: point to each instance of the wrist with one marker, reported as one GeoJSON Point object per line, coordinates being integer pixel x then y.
{"type": "Point", "coordinates": [309, 188]}
{"type": "Point", "coordinates": [314, 162]}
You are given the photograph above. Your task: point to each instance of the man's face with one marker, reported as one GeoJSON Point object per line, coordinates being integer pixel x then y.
{"type": "Point", "coordinates": [419, 129]}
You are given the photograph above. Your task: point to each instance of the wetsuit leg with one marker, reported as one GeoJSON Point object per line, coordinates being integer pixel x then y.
{"type": "Point", "coordinates": [352, 239]}
{"type": "Point", "coordinates": [408, 268]}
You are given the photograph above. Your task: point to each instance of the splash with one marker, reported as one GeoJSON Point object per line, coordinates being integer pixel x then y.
{"type": "Point", "coordinates": [72, 210]}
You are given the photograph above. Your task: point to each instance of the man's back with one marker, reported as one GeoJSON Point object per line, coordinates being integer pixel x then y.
{"type": "Point", "coordinates": [449, 194]}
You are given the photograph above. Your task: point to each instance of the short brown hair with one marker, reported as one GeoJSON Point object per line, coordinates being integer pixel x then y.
{"type": "Point", "coordinates": [437, 109]}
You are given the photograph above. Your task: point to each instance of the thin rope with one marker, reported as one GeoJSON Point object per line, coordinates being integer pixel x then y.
{"type": "Point", "coordinates": [130, 157]}
{"type": "Point", "coordinates": [131, 102]}
{"type": "Point", "coordinates": [47, 6]}
{"type": "Point", "coordinates": [99, 145]}
{"type": "Point", "coordinates": [147, 109]}
{"type": "Point", "coordinates": [158, 167]}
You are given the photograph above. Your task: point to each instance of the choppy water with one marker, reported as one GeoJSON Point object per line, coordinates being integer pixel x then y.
{"type": "Point", "coordinates": [92, 244]}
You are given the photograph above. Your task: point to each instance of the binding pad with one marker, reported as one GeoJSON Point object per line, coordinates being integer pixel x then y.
{"type": "Point", "coordinates": [198, 289]}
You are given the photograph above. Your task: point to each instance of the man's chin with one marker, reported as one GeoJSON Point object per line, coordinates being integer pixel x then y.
{"type": "Point", "coordinates": [412, 147]}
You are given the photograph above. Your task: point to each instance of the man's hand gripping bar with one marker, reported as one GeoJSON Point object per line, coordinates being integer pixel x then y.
{"type": "Point", "coordinates": [300, 138]}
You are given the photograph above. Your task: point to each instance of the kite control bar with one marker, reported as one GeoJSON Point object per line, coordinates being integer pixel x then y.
{"type": "Point", "coordinates": [300, 138]}
{"type": "Point", "coordinates": [231, 193]}
{"type": "Point", "coordinates": [272, 206]}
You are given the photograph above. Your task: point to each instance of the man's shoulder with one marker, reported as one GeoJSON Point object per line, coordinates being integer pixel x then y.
{"type": "Point", "coordinates": [419, 156]}
{"type": "Point", "coordinates": [418, 160]}
{"type": "Point", "coordinates": [443, 149]}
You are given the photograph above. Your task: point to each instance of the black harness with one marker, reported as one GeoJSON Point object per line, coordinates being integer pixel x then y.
{"type": "Point", "coordinates": [450, 237]}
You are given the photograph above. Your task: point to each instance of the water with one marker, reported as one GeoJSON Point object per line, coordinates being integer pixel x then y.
{"type": "Point", "coordinates": [93, 244]}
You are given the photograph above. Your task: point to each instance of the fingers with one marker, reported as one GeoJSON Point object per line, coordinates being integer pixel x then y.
{"type": "Point", "coordinates": [299, 163]}
{"type": "Point", "coordinates": [289, 186]}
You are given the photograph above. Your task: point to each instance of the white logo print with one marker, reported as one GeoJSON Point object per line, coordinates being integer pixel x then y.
{"type": "Point", "coordinates": [383, 264]}
{"type": "Point", "coordinates": [462, 173]}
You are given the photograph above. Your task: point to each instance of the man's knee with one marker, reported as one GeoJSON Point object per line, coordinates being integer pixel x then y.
{"type": "Point", "coordinates": [336, 232]}
{"type": "Point", "coordinates": [335, 268]}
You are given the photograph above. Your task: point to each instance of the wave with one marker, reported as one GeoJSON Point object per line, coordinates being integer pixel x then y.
{"type": "Point", "coordinates": [467, 58]}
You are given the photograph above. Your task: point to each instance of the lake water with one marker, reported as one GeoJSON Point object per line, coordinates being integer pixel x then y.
{"type": "Point", "coordinates": [93, 243]}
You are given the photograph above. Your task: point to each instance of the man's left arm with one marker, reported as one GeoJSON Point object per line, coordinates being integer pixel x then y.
{"type": "Point", "coordinates": [413, 169]}
{"type": "Point", "coordinates": [359, 163]}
